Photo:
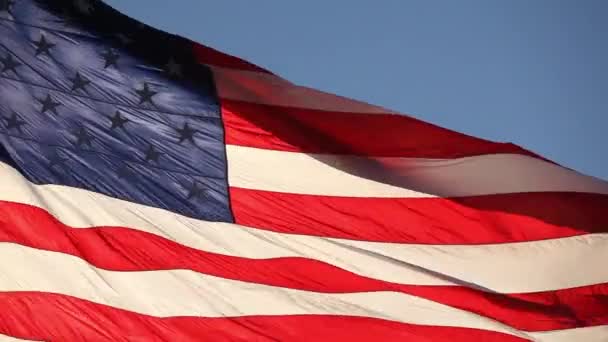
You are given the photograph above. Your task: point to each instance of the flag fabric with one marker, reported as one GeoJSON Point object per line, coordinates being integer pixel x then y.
{"type": "Point", "coordinates": [155, 189]}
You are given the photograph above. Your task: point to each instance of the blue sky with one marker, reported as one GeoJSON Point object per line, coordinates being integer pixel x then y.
{"type": "Point", "coordinates": [531, 72]}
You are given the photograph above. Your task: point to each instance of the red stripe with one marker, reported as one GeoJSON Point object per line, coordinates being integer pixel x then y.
{"type": "Point", "coordinates": [207, 55]}
{"type": "Point", "coordinates": [313, 131]}
{"type": "Point", "coordinates": [45, 316]}
{"type": "Point", "coordinates": [467, 220]}
{"type": "Point", "coordinates": [119, 249]}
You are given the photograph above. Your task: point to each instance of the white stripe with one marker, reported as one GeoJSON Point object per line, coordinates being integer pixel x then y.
{"type": "Point", "coordinates": [5, 338]}
{"type": "Point", "coordinates": [506, 268]}
{"type": "Point", "coordinates": [588, 334]}
{"type": "Point", "coordinates": [186, 293]}
{"type": "Point", "coordinates": [335, 175]}
{"type": "Point", "coordinates": [256, 87]}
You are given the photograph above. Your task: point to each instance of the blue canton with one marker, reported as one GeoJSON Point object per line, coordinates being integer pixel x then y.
{"type": "Point", "coordinates": [91, 99]}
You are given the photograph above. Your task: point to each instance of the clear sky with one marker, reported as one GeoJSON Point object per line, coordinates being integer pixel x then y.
{"type": "Point", "coordinates": [530, 72]}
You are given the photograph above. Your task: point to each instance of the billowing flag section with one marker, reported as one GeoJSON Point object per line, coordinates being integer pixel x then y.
{"type": "Point", "coordinates": [155, 189]}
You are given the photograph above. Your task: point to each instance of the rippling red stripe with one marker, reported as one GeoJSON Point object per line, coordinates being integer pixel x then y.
{"type": "Point", "coordinates": [467, 220]}
{"type": "Point", "coordinates": [314, 131]}
{"type": "Point", "coordinates": [120, 249]}
{"type": "Point", "coordinates": [45, 316]}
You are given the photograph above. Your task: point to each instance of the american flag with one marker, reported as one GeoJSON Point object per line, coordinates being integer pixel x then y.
{"type": "Point", "coordinates": [155, 189]}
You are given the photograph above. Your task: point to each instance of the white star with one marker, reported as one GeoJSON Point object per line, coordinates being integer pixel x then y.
{"type": "Point", "coordinates": [84, 6]}
{"type": "Point", "coordinates": [173, 68]}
